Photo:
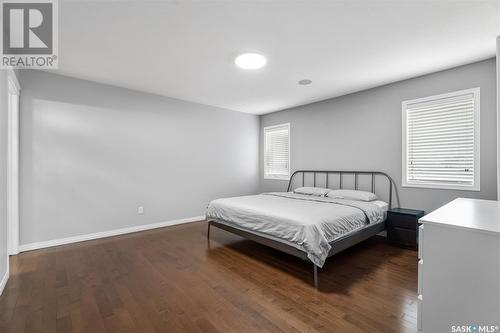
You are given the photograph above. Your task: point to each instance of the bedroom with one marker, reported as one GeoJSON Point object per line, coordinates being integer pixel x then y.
{"type": "Point", "coordinates": [117, 165]}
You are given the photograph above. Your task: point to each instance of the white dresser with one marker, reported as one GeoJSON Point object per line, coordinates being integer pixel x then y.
{"type": "Point", "coordinates": [459, 268]}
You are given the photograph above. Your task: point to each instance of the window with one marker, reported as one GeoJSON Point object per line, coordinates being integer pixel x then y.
{"type": "Point", "coordinates": [277, 152]}
{"type": "Point", "coordinates": [441, 141]}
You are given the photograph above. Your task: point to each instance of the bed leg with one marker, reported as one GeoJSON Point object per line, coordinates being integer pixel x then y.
{"type": "Point", "coordinates": [208, 231]}
{"type": "Point", "coordinates": [315, 276]}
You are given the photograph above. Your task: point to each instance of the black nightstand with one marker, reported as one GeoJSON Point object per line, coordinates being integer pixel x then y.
{"type": "Point", "coordinates": [402, 226]}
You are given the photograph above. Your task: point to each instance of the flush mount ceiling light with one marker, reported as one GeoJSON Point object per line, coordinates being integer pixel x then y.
{"type": "Point", "coordinates": [305, 82]}
{"type": "Point", "coordinates": [250, 61]}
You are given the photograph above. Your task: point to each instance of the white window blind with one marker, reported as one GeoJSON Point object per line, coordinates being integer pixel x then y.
{"type": "Point", "coordinates": [277, 151]}
{"type": "Point", "coordinates": [441, 141]}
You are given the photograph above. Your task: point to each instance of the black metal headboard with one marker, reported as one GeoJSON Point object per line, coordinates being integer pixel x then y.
{"type": "Point", "coordinates": [355, 174]}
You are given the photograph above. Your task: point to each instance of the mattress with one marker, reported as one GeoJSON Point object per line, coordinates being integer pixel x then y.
{"type": "Point", "coordinates": [306, 222]}
{"type": "Point", "coordinates": [383, 205]}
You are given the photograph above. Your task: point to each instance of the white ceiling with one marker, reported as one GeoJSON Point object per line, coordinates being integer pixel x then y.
{"type": "Point", "coordinates": [185, 49]}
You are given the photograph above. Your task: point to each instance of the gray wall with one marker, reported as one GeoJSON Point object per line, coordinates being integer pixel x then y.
{"type": "Point", "coordinates": [3, 172]}
{"type": "Point", "coordinates": [363, 131]}
{"type": "Point", "coordinates": [92, 153]}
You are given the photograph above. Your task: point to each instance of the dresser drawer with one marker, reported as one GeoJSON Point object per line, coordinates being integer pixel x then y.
{"type": "Point", "coordinates": [402, 221]}
{"type": "Point", "coordinates": [419, 313]}
{"type": "Point", "coordinates": [420, 240]}
{"type": "Point", "coordinates": [420, 277]}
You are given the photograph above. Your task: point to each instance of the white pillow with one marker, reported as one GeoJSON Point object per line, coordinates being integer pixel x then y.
{"type": "Point", "coordinates": [316, 191]}
{"type": "Point", "coordinates": [352, 195]}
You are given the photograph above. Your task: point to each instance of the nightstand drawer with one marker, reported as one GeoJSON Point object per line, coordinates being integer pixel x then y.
{"type": "Point", "coordinates": [403, 236]}
{"type": "Point", "coordinates": [402, 221]}
{"type": "Point", "coordinates": [402, 226]}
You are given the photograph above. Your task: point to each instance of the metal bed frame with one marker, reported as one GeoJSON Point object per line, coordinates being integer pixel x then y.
{"type": "Point", "coordinates": [339, 244]}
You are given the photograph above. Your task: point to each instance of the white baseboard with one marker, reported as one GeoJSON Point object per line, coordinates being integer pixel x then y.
{"type": "Point", "coordinates": [104, 234]}
{"type": "Point", "coordinates": [5, 278]}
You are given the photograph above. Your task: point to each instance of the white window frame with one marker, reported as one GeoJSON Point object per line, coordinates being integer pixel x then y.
{"type": "Point", "coordinates": [477, 135]}
{"type": "Point", "coordinates": [267, 128]}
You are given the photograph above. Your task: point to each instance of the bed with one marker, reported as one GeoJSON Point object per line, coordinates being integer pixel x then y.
{"type": "Point", "coordinates": [311, 227]}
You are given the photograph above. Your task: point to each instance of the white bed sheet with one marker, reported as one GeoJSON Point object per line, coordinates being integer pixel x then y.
{"type": "Point", "coordinates": [308, 223]}
{"type": "Point", "coordinates": [383, 205]}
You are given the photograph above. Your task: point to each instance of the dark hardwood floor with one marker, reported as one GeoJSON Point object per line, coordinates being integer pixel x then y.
{"type": "Point", "coordinates": [171, 280]}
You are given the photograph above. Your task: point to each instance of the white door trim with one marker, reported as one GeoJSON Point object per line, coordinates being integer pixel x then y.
{"type": "Point", "coordinates": [498, 117]}
{"type": "Point", "coordinates": [13, 90]}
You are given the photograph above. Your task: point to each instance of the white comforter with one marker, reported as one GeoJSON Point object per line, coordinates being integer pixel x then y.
{"type": "Point", "coordinates": [309, 223]}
